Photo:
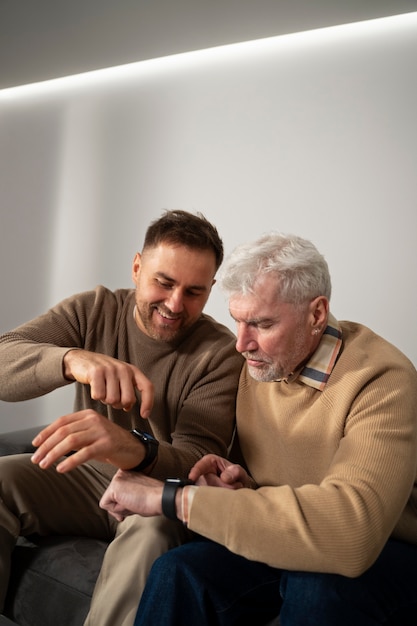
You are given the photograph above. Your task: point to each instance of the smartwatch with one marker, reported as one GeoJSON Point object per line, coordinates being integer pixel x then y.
{"type": "Point", "coordinates": [168, 496]}
{"type": "Point", "coordinates": [151, 446]}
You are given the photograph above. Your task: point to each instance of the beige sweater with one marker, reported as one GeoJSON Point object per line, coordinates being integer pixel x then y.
{"type": "Point", "coordinates": [195, 381]}
{"type": "Point", "coordinates": [336, 469]}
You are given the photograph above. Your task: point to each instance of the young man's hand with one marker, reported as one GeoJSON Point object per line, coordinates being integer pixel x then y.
{"type": "Point", "coordinates": [111, 381]}
{"type": "Point", "coordinates": [86, 435]}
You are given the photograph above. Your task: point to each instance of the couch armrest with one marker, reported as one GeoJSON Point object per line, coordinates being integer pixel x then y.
{"type": "Point", "coordinates": [18, 441]}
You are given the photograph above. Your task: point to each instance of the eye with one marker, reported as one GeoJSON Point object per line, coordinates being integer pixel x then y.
{"type": "Point", "coordinates": [163, 284]}
{"type": "Point", "coordinates": [194, 294]}
{"type": "Point", "coordinates": [264, 324]}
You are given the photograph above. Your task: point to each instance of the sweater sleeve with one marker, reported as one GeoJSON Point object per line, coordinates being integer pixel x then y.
{"type": "Point", "coordinates": [340, 523]}
{"type": "Point", "coordinates": [203, 421]}
{"type": "Point", "coordinates": [195, 381]}
{"type": "Point", "coordinates": [31, 356]}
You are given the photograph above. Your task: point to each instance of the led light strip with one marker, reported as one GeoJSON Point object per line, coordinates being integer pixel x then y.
{"type": "Point", "coordinates": [190, 59]}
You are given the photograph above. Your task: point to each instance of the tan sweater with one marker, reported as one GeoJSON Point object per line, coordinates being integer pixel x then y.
{"type": "Point", "coordinates": [336, 469]}
{"type": "Point", "coordinates": [195, 381]}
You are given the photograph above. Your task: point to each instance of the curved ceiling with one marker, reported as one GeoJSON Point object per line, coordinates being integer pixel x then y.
{"type": "Point", "coordinates": [53, 38]}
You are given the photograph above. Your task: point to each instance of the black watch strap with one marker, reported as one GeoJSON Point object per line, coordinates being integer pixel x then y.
{"type": "Point", "coordinates": [151, 446]}
{"type": "Point", "coordinates": [168, 496]}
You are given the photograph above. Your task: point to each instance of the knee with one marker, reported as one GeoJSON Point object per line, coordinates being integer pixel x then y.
{"type": "Point", "coordinates": [182, 560]}
{"type": "Point", "coordinates": [160, 532]}
{"type": "Point", "coordinates": [169, 571]}
{"type": "Point", "coordinates": [13, 483]}
{"type": "Point", "coordinates": [305, 593]}
{"type": "Point", "coordinates": [166, 564]}
{"type": "Point", "coordinates": [14, 471]}
{"type": "Point", "coordinates": [166, 580]}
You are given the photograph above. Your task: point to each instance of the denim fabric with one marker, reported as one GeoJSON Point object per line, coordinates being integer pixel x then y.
{"type": "Point", "coordinates": [204, 583]}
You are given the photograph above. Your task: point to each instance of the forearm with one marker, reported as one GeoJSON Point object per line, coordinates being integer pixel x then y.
{"type": "Point", "coordinates": [31, 355]}
{"type": "Point", "coordinates": [29, 369]}
{"type": "Point", "coordinates": [130, 493]}
{"type": "Point", "coordinates": [303, 528]}
{"type": "Point", "coordinates": [269, 527]}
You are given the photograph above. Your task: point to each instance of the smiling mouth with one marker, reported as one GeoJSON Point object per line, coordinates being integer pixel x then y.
{"type": "Point", "coordinates": [167, 318]}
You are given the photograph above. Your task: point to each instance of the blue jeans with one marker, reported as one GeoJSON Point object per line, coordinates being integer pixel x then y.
{"type": "Point", "coordinates": [203, 583]}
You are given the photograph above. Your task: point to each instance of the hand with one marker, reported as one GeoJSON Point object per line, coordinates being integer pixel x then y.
{"type": "Point", "coordinates": [92, 436]}
{"type": "Point", "coordinates": [215, 471]}
{"type": "Point", "coordinates": [111, 381]}
{"type": "Point", "coordinates": [129, 493]}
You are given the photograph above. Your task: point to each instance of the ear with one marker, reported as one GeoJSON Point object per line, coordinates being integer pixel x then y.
{"type": "Point", "coordinates": [136, 267]}
{"type": "Point", "coordinates": [319, 312]}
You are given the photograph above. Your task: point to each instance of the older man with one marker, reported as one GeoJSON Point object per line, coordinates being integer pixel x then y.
{"type": "Point", "coordinates": [322, 527]}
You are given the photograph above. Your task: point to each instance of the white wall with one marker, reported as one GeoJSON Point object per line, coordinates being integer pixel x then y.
{"type": "Point", "coordinates": [312, 133]}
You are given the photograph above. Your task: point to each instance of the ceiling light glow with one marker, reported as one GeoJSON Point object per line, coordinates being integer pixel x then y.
{"type": "Point", "coordinates": [217, 54]}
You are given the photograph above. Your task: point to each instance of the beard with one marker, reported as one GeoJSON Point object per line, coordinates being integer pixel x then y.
{"type": "Point", "coordinates": [270, 370]}
{"type": "Point", "coordinates": [265, 373]}
{"type": "Point", "coordinates": [159, 330]}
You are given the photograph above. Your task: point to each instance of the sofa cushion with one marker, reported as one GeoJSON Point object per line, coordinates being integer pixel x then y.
{"type": "Point", "coordinates": [53, 579]}
{"type": "Point", "coordinates": [18, 441]}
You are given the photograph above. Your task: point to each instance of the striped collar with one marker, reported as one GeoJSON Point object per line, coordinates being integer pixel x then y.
{"type": "Point", "coordinates": [318, 369]}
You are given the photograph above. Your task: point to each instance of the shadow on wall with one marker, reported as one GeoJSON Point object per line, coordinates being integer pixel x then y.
{"type": "Point", "coordinates": [36, 412]}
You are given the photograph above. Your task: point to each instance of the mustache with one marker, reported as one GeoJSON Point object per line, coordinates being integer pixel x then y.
{"type": "Point", "coordinates": [255, 356]}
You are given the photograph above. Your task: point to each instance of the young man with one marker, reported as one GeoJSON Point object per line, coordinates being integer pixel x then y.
{"type": "Point", "coordinates": [322, 527]}
{"type": "Point", "coordinates": [156, 383]}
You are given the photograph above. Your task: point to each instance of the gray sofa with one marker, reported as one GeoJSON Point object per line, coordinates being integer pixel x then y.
{"type": "Point", "coordinates": [52, 578]}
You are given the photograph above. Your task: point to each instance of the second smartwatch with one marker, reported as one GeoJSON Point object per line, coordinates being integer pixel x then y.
{"type": "Point", "coordinates": [169, 492]}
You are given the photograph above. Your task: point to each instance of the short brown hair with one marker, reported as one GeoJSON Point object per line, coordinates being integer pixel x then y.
{"type": "Point", "coordinates": [185, 229]}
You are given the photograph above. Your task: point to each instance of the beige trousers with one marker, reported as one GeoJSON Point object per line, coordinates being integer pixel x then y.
{"type": "Point", "coordinates": [127, 562]}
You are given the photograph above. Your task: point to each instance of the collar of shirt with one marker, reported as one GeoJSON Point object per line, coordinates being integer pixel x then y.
{"type": "Point", "coordinates": [319, 367]}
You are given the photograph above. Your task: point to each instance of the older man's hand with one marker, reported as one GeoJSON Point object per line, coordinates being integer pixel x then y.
{"type": "Point", "coordinates": [216, 471]}
{"type": "Point", "coordinates": [130, 493]}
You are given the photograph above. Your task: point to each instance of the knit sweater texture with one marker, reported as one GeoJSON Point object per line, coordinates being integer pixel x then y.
{"type": "Point", "coordinates": [195, 379]}
{"type": "Point", "coordinates": [335, 470]}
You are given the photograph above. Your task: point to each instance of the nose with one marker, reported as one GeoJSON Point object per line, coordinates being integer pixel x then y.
{"type": "Point", "coordinates": [246, 341]}
{"type": "Point", "coordinates": [175, 302]}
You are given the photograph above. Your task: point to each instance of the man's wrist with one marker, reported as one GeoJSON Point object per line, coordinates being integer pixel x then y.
{"type": "Point", "coordinates": [66, 364]}
{"type": "Point", "coordinates": [187, 496]}
{"type": "Point", "coordinates": [151, 449]}
{"type": "Point", "coordinates": [172, 498]}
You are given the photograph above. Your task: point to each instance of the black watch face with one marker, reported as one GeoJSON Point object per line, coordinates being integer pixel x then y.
{"type": "Point", "coordinates": [145, 437]}
{"type": "Point", "coordinates": [149, 437]}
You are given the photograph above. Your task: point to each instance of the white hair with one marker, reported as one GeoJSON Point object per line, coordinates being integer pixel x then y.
{"type": "Point", "coordinates": [302, 272]}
